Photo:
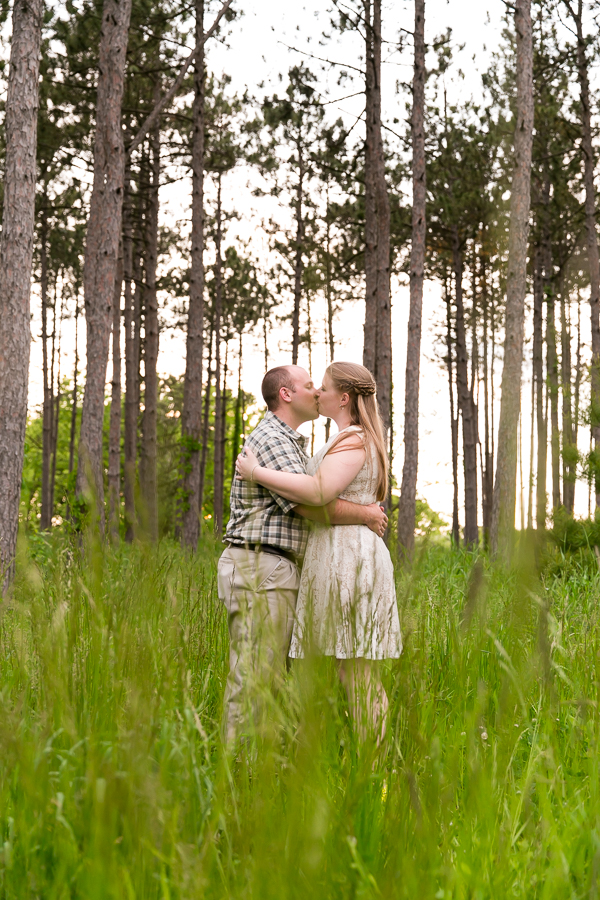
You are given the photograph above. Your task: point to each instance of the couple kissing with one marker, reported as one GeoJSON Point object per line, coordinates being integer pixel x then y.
{"type": "Point", "coordinates": [291, 589]}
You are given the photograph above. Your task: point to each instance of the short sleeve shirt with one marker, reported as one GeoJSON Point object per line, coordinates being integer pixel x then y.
{"type": "Point", "coordinates": [258, 515]}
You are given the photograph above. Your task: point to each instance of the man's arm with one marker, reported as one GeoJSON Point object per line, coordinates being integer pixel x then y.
{"type": "Point", "coordinates": [343, 512]}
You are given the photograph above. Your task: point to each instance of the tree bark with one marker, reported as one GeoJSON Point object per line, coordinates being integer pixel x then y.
{"type": "Point", "coordinates": [531, 450]}
{"type": "Point", "coordinates": [568, 468]}
{"type": "Point", "coordinates": [328, 285]}
{"type": "Point", "coordinates": [552, 364]}
{"type": "Point", "coordinates": [466, 403]}
{"type": "Point", "coordinates": [408, 493]}
{"type": "Point", "coordinates": [299, 260]}
{"type": "Point", "coordinates": [102, 243]}
{"type": "Point", "coordinates": [217, 458]}
{"type": "Point", "coordinates": [114, 435]}
{"type": "Point", "coordinates": [503, 512]}
{"type": "Point", "coordinates": [206, 420]}
{"type": "Point", "coordinates": [377, 355]}
{"type": "Point", "coordinates": [223, 428]}
{"type": "Point", "coordinates": [329, 295]}
{"type": "Point", "coordinates": [74, 394]}
{"type": "Point", "coordinates": [47, 412]}
{"type": "Point", "coordinates": [16, 248]}
{"type": "Point", "coordinates": [237, 423]}
{"type": "Point", "coordinates": [57, 398]}
{"type": "Point", "coordinates": [191, 419]}
{"type": "Point", "coordinates": [131, 365]}
{"type": "Point", "coordinates": [487, 467]}
{"type": "Point", "coordinates": [453, 419]}
{"type": "Point", "coordinates": [538, 377]}
{"type": "Point", "coordinates": [148, 470]}
{"type": "Point", "coordinates": [578, 371]}
{"type": "Point", "coordinates": [590, 223]}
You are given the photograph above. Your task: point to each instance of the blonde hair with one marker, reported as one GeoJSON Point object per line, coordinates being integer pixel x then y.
{"type": "Point", "coordinates": [359, 384]}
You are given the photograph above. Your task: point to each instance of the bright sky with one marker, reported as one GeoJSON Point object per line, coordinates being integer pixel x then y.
{"type": "Point", "coordinates": [256, 53]}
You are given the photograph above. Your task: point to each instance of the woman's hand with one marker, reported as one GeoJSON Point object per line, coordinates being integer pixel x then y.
{"type": "Point", "coordinates": [245, 464]}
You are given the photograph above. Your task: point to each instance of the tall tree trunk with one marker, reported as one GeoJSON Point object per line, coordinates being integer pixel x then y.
{"type": "Point", "coordinates": [383, 368]}
{"type": "Point", "coordinates": [377, 342]}
{"type": "Point", "coordinates": [453, 418]}
{"type": "Point", "coordinates": [114, 435]}
{"type": "Point", "coordinates": [590, 221]}
{"type": "Point", "coordinates": [206, 418]}
{"type": "Point", "coordinates": [487, 473]}
{"type": "Point", "coordinates": [74, 394]}
{"type": "Point", "coordinates": [57, 398]}
{"type": "Point", "coordinates": [328, 284]}
{"type": "Point", "coordinates": [310, 363]}
{"type": "Point", "coordinates": [466, 403]}
{"type": "Point", "coordinates": [578, 371]}
{"type": "Point", "coordinates": [131, 364]}
{"type": "Point", "coordinates": [552, 362]}
{"type": "Point", "coordinates": [328, 294]}
{"type": "Point", "coordinates": [567, 408]}
{"type": "Point", "coordinates": [223, 425]}
{"type": "Point", "coordinates": [133, 382]}
{"type": "Point", "coordinates": [191, 419]}
{"type": "Point", "coordinates": [16, 247]}
{"type": "Point", "coordinates": [237, 422]}
{"type": "Point", "coordinates": [46, 508]}
{"type": "Point", "coordinates": [503, 512]}
{"type": "Point", "coordinates": [408, 492]}
{"type": "Point", "coordinates": [538, 377]}
{"type": "Point", "coordinates": [102, 242]}
{"type": "Point", "coordinates": [299, 259]}
{"type": "Point", "coordinates": [521, 499]}
{"type": "Point", "coordinates": [148, 471]}
{"type": "Point", "coordinates": [370, 329]}
{"type": "Point", "coordinates": [218, 469]}
{"type": "Point", "coordinates": [531, 443]}
{"type": "Point", "coordinates": [265, 321]}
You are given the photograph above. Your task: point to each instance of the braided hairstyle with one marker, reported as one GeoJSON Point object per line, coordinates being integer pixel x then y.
{"type": "Point", "coordinates": [359, 384]}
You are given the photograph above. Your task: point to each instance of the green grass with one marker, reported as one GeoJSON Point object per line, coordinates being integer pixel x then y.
{"type": "Point", "coordinates": [113, 783]}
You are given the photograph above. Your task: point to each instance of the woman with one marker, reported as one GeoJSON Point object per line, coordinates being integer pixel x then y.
{"type": "Point", "coordinates": [347, 600]}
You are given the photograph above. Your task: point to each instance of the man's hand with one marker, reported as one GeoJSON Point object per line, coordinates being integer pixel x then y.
{"type": "Point", "coordinates": [343, 512]}
{"type": "Point", "coordinates": [375, 518]}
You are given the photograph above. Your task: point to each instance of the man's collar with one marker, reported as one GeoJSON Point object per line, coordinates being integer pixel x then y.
{"type": "Point", "coordinates": [300, 438]}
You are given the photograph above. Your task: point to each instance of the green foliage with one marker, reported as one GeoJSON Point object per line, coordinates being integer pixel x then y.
{"type": "Point", "coordinates": [170, 403]}
{"type": "Point", "coordinates": [574, 534]}
{"type": "Point", "coordinates": [31, 484]}
{"type": "Point", "coordinates": [113, 782]}
{"type": "Point", "coordinates": [428, 523]}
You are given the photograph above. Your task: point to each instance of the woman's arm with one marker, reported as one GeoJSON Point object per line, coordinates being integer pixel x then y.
{"type": "Point", "coordinates": [343, 512]}
{"type": "Point", "coordinates": [335, 474]}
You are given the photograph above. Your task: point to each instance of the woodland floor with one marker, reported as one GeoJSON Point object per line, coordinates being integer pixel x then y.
{"type": "Point", "coordinates": [113, 783]}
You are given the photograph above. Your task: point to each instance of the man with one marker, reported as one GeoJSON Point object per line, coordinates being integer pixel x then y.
{"type": "Point", "coordinates": [258, 573]}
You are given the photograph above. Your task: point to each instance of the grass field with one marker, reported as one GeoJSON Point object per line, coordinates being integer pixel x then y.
{"type": "Point", "coordinates": [113, 784]}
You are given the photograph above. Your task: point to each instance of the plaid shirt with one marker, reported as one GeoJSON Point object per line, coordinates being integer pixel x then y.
{"type": "Point", "coordinates": [260, 516]}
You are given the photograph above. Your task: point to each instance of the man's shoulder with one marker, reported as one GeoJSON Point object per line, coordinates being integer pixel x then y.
{"type": "Point", "coordinates": [268, 427]}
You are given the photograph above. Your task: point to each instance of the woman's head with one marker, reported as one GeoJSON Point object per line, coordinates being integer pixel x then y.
{"type": "Point", "coordinates": [355, 381]}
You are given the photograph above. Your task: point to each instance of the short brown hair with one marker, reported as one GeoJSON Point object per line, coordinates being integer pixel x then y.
{"type": "Point", "coordinates": [272, 383]}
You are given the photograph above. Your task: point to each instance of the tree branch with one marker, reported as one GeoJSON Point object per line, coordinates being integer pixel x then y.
{"type": "Point", "coordinates": [150, 120]}
{"type": "Point", "coordinates": [330, 62]}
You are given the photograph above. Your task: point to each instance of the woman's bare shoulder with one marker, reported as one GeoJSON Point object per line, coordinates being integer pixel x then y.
{"type": "Point", "coordinates": [347, 440]}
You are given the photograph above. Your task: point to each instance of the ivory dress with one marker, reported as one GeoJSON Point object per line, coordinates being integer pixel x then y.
{"type": "Point", "coordinates": [347, 597]}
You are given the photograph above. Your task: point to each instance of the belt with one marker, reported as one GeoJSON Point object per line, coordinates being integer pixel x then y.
{"type": "Point", "coordinates": [268, 548]}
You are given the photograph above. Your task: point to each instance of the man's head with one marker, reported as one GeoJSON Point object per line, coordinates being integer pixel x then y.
{"type": "Point", "coordinates": [289, 392]}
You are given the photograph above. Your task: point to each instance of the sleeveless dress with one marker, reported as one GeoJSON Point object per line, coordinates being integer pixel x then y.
{"type": "Point", "coordinates": [347, 597]}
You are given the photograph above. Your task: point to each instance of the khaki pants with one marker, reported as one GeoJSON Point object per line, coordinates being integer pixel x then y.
{"type": "Point", "coordinates": [259, 591]}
